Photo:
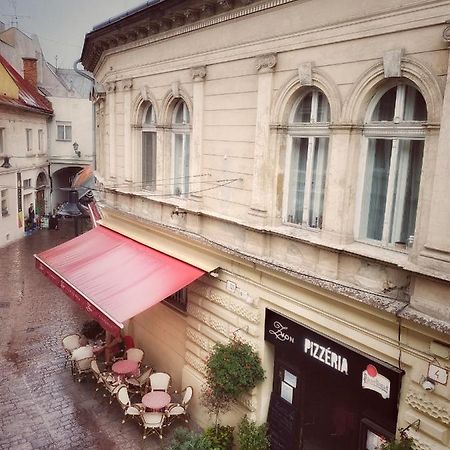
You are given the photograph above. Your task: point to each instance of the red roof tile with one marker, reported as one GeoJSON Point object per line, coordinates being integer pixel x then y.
{"type": "Point", "coordinates": [29, 96]}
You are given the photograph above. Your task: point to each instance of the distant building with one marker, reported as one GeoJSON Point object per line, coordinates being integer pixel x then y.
{"type": "Point", "coordinates": [24, 178]}
{"type": "Point", "coordinates": [69, 132]}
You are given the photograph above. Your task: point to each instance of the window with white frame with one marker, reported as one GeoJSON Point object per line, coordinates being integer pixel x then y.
{"type": "Point", "coordinates": [63, 131]}
{"type": "Point", "coordinates": [29, 134]}
{"type": "Point", "coordinates": [4, 198]}
{"type": "Point", "coordinates": [395, 136]}
{"type": "Point", "coordinates": [180, 149]}
{"type": "Point", "coordinates": [2, 140]}
{"type": "Point", "coordinates": [27, 183]}
{"type": "Point", "coordinates": [306, 161]}
{"type": "Point", "coordinates": [41, 141]}
{"type": "Point", "coordinates": [149, 149]}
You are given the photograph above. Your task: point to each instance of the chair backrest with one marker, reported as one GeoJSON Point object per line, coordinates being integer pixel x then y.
{"type": "Point", "coordinates": [83, 364]}
{"type": "Point", "coordinates": [128, 341]}
{"type": "Point", "coordinates": [135, 354]}
{"type": "Point", "coordinates": [188, 391]}
{"type": "Point", "coordinates": [94, 367]}
{"type": "Point", "coordinates": [144, 376]}
{"type": "Point", "coordinates": [159, 381]}
{"type": "Point", "coordinates": [71, 342]}
{"type": "Point", "coordinates": [176, 410]}
{"type": "Point", "coordinates": [122, 397]}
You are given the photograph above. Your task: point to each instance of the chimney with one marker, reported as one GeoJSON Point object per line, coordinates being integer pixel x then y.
{"type": "Point", "coordinates": [30, 70]}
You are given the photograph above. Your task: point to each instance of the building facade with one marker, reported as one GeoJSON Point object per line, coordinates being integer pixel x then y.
{"type": "Point", "coordinates": [303, 147]}
{"type": "Point", "coordinates": [69, 132]}
{"type": "Point", "coordinates": [24, 182]}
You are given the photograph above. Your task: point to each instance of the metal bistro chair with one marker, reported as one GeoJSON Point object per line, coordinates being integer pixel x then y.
{"type": "Point", "coordinates": [177, 410]}
{"type": "Point", "coordinates": [129, 409]}
{"type": "Point", "coordinates": [159, 381]}
{"type": "Point", "coordinates": [70, 343]}
{"type": "Point", "coordinates": [140, 384]}
{"type": "Point", "coordinates": [81, 368]}
{"type": "Point", "coordinates": [152, 422]}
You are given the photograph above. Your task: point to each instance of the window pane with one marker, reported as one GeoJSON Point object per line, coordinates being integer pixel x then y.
{"type": "Point", "coordinates": [384, 111]}
{"type": "Point", "coordinates": [178, 165]}
{"type": "Point", "coordinates": [318, 182]}
{"type": "Point", "coordinates": [406, 190]}
{"type": "Point", "coordinates": [60, 132]}
{"type": "Point", "coordinates": [303, 111]}
{"type": "Point", "coordinates": [150, 116]}
{"type": "Point", "coordinates": [149, 160]}
{"type": "Point", "coordinates": [180, 113]}
{"type": "Point", "coordinates": [377, 175]}
{"type": "Point", "coordinates": [297, 176]}
{"type": "Point", "coordinates": [323, 108]}
{"type": "Point", "coordinates": [2, 132]}
{"type": "Point", "coordinates": [415, 107]}
{"type": "Point", "coordinates": [186, 163]}
{"type": "Point", "coordinates": [68, 133]}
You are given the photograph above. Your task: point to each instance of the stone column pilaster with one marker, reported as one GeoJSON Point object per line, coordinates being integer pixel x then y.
{"type": "Point", "coordinates": [111, 149]}
{"type": "Point", "coordinates": [125, 87]}
{"type": "Point", "coordinates": [262, 177]}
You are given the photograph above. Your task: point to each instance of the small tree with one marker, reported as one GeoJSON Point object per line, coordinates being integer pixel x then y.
{"type": "Point", "coordinates": [404, 443]}
{"type": "Point", "coordinates": [231, 370]}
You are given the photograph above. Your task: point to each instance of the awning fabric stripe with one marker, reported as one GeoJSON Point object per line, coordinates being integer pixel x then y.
{"type": "Point", "coordinates": [113, 277]}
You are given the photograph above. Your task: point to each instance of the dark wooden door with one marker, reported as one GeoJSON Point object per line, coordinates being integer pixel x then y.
{"type": "Point", "coordinates": [284, 416]}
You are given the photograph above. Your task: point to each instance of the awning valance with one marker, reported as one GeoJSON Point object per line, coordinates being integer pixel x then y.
{"type": "Point", "coordinates": [114, 277]}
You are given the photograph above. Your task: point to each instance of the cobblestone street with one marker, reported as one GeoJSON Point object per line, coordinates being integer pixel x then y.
{"type": "Point", "coordinates": [40, 405]}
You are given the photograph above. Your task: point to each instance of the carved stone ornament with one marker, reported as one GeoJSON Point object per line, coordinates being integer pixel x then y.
{"type": "Point", "coordinates": [392, 63]}
{"type": "Point", "coordinates": [198, 73]}
{"type": "Point", "coordinates": [266, 63]}
{"type": "Point", "coordinates": [126, 85]}
{"type": "Point", "coordinates": [110, 86]}
{"type": "Point", "coordinates": [305, 74]}
{"type": "Point", "coordinates": [446, 34]}
{"type": "Point", "coordinates": [145, 93]}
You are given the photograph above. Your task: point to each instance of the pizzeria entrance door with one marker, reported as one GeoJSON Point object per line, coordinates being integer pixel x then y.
{"type": "Point", "coordinates": [330, 412]}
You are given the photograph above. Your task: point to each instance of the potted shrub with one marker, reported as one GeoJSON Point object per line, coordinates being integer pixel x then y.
{"type": "Point", "coordinates": [252, 436]}
{"type": "Point", "coordinates": [231, 370]}
{"type": "Point", "coordinates": [404, 443]}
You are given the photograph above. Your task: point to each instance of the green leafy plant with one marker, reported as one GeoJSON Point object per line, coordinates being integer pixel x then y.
{"type": "Point", "coordinates": [252, 436]}
{"type": "Point", "coordinates": [220, 438]}
{"type": "Point", "coordinates": [183, 439]}
{"type": "Point", "coordinates": [231, 370]}
{"type": "Point", "coordinates": [404, 443]}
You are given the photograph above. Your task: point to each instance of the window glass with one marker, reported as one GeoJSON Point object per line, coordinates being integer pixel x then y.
{"type": "Point", "coordinates": [2, 140]}
{"type": "Point", "coordinates": [393, 167]}
{"type": "Point", "coordinates": [149, 160]}
{"type": "Point", "coordinates": [307, 165]}
{"type": "Point", "coordinates": [63, 131]}
{"type": "Point", "coordinates": [150, 116]}
{"type": "Point", "coordinates": [4, 198]}
{"type": "Point", "coordinates": [181, 149]}
{"type": "Point", "coordinates": [303, 111]}
{"type": "Point", "coordinates": [29, 134]}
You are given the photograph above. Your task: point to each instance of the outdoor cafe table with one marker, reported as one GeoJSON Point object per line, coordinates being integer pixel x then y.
{"type": "Point", "coordinates": [124, 367]}
{"type": "Point", "coordinates": [156, 400]}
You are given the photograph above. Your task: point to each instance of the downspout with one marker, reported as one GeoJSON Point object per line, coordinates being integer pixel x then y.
{"type": "Point", "coordinates": [92, 80]}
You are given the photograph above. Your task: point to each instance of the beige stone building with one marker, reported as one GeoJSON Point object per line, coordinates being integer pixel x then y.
{"type": "Point", "coordinates": [300, 149]}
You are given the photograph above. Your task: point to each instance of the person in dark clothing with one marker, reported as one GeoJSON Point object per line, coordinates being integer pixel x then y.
{"type": "Point", "coordinates": [31, 217]}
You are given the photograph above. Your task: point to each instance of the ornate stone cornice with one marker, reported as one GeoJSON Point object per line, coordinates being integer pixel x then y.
{"type": "Point", "coordinates": [266, 63]}
{"type": "Point", "coordinates": [198, 73]}
{"type": "Point", "coordinates": [188, 16]}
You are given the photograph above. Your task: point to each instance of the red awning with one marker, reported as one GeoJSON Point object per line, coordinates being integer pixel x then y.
{"type": "Point", "coordinates": [113, 277]}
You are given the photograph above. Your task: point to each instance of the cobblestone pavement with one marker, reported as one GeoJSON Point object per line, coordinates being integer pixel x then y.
{"type": "Point", "coordinates": [41, 407]}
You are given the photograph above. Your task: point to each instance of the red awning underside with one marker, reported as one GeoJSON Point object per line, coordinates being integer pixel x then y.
{"type": "Point", "coordinates": [113, 277]}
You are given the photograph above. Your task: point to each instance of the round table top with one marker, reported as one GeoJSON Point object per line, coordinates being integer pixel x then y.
{"type": "Point", "coordinates": [156, 399]}
{"type": "Point", "coordinates": [124, 367]}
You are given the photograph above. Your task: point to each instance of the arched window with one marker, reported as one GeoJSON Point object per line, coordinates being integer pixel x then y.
{"type": "Point", "coordinates": [149, 149]}
{"type": "Point", "coordinates": [307, 157]}
{"type": "Point", "coordinates": [181, 145]}
{"type": "Point", "coordinates": [395, 136]}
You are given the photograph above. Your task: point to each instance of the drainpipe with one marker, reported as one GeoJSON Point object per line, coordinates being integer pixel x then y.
{"type": "Point", "coordinates": [92, 80]}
